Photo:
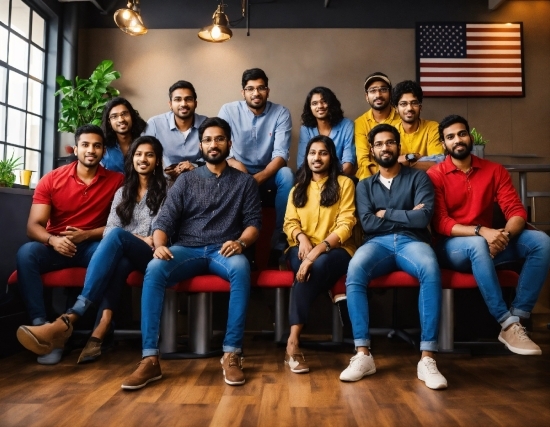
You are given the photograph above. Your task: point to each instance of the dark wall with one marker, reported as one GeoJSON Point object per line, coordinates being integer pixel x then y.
{"type": "Point", "coordinates": [158, 14]}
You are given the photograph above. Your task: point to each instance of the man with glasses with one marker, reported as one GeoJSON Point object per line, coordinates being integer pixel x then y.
{"type": "Point", "coordinates": [121, 124]}
{"type": "Point", "coordinates": [395, 207]}
{"type": "Point", "coordinates": [420, 146]}
{"type": "Point", "coordinates": [261, 145]}
{"type": "Point", "coordinates": [211, 215]}
{"type": "Point", "coordinates": [177, 130]}
{"type": "Point", "coordinates": [466, 188]}
{"type": "Point", "coordinates": [378, 94]}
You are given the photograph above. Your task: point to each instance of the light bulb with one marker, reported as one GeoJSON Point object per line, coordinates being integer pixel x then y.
{"type": "Point", "coordinates": [216, 32]}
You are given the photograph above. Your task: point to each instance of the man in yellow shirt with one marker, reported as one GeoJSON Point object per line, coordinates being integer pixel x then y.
{"type": "Point", "coordinates": [420, 146]}
{"type": "Point", "coordinates": [378, 94]}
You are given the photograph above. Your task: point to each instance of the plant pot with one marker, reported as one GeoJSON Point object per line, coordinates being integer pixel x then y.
{"type": "Point", "coordinates": [479, 151]}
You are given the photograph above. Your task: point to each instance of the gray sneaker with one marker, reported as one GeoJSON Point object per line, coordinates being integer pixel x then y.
{"type": "Point", "coordinates": [516, 340]}
{"type": "Point", "coordinates": [360, 366]}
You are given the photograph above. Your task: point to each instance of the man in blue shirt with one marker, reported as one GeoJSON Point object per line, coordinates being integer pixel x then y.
{"type": "Point", "coordinates": [178, 129]}
{"type": "Point", "coordinates": [261, 145]}
{"type": "Point", "coordinates": [395, 207]}
{"type": "Point", "coordinates": [121, 124]}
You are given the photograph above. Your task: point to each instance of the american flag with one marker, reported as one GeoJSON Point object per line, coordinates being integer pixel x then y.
{"type": "Point", "coordinates": [460, 59]}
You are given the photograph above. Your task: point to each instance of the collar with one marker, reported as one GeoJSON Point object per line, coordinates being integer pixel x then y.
{"type": "Point", "coordinates": [403, 171]}
{"type": "Point", "coordinates": [204, 172]}
{"type": "Point", "coordinates": [268, 106]}
{"type": "Point", "coordinates": [391, 117]}
{"type": "Point", "coordinates": [172, 121]}
{"type": "Point", "coordinates": [449, 167]}
{"type": "Point", "coordinates": [100, 172]}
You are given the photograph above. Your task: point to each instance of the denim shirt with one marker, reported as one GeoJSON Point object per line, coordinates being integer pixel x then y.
{"type": "Point", "coordinates": [113, 159]}
{"type": "Point", "coordinates": [257, 140]}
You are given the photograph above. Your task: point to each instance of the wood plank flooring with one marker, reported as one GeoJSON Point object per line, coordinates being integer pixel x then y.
{"type": "Point", "coordinates": [495, 390]}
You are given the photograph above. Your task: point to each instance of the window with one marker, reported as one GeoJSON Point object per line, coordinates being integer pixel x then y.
{"type": "Point", "coordinates": [22, 85]}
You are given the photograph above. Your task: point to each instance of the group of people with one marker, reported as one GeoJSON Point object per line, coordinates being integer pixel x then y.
{"type": "Point", "coordinates": [181, 196]}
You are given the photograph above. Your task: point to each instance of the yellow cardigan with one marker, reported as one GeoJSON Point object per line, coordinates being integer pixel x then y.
{"type": "Point", "coordinates": [317, 221]}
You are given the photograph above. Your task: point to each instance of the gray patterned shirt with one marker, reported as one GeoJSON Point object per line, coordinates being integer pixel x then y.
{"type": "Point", "coordinates": [142, 217]}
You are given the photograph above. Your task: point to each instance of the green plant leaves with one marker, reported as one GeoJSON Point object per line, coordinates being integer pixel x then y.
{"type": "Point", "coordinates": [83, 100]}
{"type": "Point", "coordinates": [7, 177]}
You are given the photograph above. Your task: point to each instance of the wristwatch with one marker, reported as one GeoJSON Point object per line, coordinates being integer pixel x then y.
{"type": "Point", "coordinates": [410, 157]}
{"type": "Point", "coordinates": [327, 245]}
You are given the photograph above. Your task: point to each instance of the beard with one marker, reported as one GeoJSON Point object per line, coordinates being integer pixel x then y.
{"type": "Point", "coordinates": [387, 162]}
{"type": "Point", "coordinates": [462, 155]}
{"type": "Point", "coordinates": [215, 160]}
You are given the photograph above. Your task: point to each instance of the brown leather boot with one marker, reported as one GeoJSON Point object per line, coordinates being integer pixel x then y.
{"type": "Point", "coordinates": [44, 338]}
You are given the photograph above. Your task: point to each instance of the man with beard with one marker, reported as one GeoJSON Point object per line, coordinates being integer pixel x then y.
{"type": "Point", "coordinates": [466, 188]}
{"type": "Point", "coordinates": [261, 144]}
{"type": "Point", "coordinates": [420, 147]}
{"type": "Point", "coordinates": [211, 214]}
{"type": "Point", "coordinates": [66, 222]}
{"type": "Point", "coordinates": [378, 91]}
{"type": "Point", "coordinates": [177, 130]}
{"type": "Point", "coordinates": [121, 124]}
{"type": "Point", "coordinates": [394, 206]}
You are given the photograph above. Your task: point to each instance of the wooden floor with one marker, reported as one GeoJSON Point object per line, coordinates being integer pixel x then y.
{"type": "Point", "coordinates": [503, 390]}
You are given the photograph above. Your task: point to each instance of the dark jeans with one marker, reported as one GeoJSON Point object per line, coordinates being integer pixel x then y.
{"type": "Point", "coordinates": [324, 273]}
{"type": "Point", "coordinates": [34, 259]}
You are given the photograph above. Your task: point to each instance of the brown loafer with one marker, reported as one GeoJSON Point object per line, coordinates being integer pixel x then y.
{"type": "Point", "coordinates": [296, 363]}
{"type": "Point", "coordinates": [91, 352]}
{"type": "Point", "coordinates": [146, 372]}
{"type": "Point", "coordinates": [44, 338]}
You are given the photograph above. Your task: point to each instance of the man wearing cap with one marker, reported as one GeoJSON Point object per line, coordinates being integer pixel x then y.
{"type": "Point", "coordinates": [378, 95]}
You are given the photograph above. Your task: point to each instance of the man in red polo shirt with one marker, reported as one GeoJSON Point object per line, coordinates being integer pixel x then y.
{"type": "Point", "coordinates": [466, 188]}
{"type": "Point", "coordinates": [69, 212]}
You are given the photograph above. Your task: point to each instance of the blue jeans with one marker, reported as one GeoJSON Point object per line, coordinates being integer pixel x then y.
{"type": "Point", "coordinates": [382, 255]}
{"type": "Point", "coordinates": [471, 254]}
{"type": "Point", "coordinates": [324, 273]}
{"type": "Point", "coordinates": [117, 255]}
{"type": "Point", "coordinates": [281, 183]}
{"type": "Point", "coordinates": [189, 262]}
{"type": "Point", "coordinates": [34, 259]}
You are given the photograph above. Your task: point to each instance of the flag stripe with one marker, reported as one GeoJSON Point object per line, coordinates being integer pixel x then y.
{"type": "Point", "coordinates": [459, 59]}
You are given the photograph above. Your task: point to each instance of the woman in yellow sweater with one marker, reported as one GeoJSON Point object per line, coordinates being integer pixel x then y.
{"type": "Point", "coordinates": [319, 221]}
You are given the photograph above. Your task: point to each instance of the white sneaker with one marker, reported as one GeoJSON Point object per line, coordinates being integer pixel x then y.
{"type": "Point", "coordinates": [427, 371]}
{"type": "Point", "coordinates": [360, 366]}
{"type": "Point", "coordinates": [517, 341]}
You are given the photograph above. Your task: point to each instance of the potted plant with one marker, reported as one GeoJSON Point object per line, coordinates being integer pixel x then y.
{"type": "Point", "coordinates": [7, 177]}
{"type": "Point", "coordinates": [479, 143]}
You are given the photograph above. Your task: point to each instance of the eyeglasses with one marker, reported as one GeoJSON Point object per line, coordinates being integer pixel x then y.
{"type": "Point", "coordinates": [251, 89]}
{"type": "Point", "coordinates": [388, 143]}
{"type": "Point", "coordinates": [461, 134]}
{"type": "Point", "coordinates": [209, 140]}
{"type": "Point", "coordinates": [374, 90]}
{"type": "Point", "coordinates": [120, 115]}
{"type": "Point", "coordinates": [404, 104]}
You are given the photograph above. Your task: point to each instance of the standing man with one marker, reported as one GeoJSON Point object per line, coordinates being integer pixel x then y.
{"type": "Point", "coordinates": [378, 95]}
{"type": "Point", "coordinates": [261, 144]}
{"type": "Point", "coordinates": [466, 188]}
{"type": "Point", "coordinates": [395, 207]}
{"type": "Point", "coordinates": [212, 214]}
{"type": "Point", "coordinates": [67, 218]}
{"type": "Point", "coordinates": [121, 124]}
{"type": "Point", "coordinates": [178, 129]}
{"type": "Point", "coordinates": [420, 146]}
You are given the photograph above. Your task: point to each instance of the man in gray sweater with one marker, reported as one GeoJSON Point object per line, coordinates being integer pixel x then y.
{"type": "Point", "coordinates": [395, 207]}
{"type": "Point", "coordinates": [211, 215]}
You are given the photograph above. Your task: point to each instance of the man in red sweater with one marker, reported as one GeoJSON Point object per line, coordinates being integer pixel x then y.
{"type": "Point", "coordinates": [466, 188]}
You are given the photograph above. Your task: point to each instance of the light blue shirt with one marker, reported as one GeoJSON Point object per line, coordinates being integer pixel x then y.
{"type": "Point", "coordinates": [343, 135]}
{"type": "Point", "coordinates": [257, 140]}
{"type": "Point", "coordinates": [113, 159]}
{"type": "Point", "coordinates": [177, 148]}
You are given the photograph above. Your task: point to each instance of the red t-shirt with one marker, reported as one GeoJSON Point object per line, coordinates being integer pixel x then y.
{"type": "Point", "coordinates": [468, 199]}
{"type": "Point", "coordinates": [74, 203]}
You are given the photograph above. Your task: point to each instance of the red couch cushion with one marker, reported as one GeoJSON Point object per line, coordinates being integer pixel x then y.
{"type": "Point", "coordinates": [72, 277]}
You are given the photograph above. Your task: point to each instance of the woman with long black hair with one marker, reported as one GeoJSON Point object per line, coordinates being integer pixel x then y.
{"type": "Point", "coordinates": [319, 221]}
{"type": "Point", "coordinates": [127, 245]}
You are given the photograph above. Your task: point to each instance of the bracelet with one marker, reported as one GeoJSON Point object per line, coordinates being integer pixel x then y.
{"type": "Point", "coordinates": [48, 241]}
{"type": "Point", "coordinates": [296, 237]}
{"type": "Point", "coordinates": [476, 230]}
{"type": "Point", "coordinates": [328, 245]}
{"type": "Point", "coordinates": [240, 242]}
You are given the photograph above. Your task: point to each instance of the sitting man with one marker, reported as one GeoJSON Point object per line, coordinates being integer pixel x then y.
{"type": "Point", "coordinates": [395, 207]}
{"type": "Point", "coordinates": [212, 213]}
{"type": "Point", "coordinates": [121, 124]}
{"type": "Point", "coordinates": [466, 188]}
{"type": "Point", "coordinates": [67, 218]}
{"type": "Point", "coordinates": [178, 129]}
{"type": "Point", "coordinates": [420, 147]}
{"type": "Point", "coordinates": [261, 144]}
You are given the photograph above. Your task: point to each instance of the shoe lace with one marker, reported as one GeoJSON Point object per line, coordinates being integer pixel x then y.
{"type": "Point", "coordinates": [521, 333]}
{"type": "Point", "coordinates": [353, 360]}
{"type": "Point", "coordinates": [235, 360]}
{"type": "Point", "coordinates": [430, 365]}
